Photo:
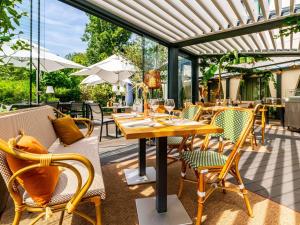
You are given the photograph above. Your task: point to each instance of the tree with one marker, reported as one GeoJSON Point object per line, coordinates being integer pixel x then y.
{"type": "Point", "coordinates": [103, 38]}
{"type": "Point", "coordinates": [78, 57]}
{"type": "Point", "coordinates": [9, 19]}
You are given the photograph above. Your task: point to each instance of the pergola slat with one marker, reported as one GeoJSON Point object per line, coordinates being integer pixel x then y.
{"type": "Point", "coordinates": [208, 26]}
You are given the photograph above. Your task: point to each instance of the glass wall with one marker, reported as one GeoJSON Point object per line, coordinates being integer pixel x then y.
{"type": "Point", "coordinates": [253, 88]}
{"type": "Point", "coordinates": [185, 80]}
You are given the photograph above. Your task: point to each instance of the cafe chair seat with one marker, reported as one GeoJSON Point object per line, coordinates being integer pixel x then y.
{"type": "Point", "coordinates": [198, 159]}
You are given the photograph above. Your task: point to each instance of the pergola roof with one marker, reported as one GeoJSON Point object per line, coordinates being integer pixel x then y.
{"type": "Point", "coordinates": [209, 26]}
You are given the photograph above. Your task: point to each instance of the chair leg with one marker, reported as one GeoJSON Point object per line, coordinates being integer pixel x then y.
{"type": "Point", "coordinates": [244, 192]}
{"type": "Point", "coordinates": [106, 129]}
{"type": "Point", "coordinates": [100, 137]}
{"type": "Point", "coordinates": [61, 219]}
{"type": "Point", "coordinates": [17, 217]}
{"type": "Point", "coordinates": [201, 197]}
{"type": "Point", "coordinates": [223, 184]}
{"type": "Point", "coordinates": [97, 202]}
{"type": "Point", "coordinates": [182, 177]}
{"type": "Point", "coordinates": [116, 131]}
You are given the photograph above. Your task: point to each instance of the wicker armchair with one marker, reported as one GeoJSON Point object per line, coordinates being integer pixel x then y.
{"type": "Point", "coordinates": [237, 124]}
{"type": "Point", "coordinates": [77, 183]}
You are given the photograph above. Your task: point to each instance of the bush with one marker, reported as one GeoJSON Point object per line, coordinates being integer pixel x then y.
{"type": "Point", "coordinates": [66, 95]}
{"type": "Point", "coordinates": [15, 91]}
{"type": "Point", "coordinates": [101, 93]}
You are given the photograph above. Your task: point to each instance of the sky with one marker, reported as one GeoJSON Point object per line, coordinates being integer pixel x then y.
{"type": "Point", "coordinates": [62, 26]}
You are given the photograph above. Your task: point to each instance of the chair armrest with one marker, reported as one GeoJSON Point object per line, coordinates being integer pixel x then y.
{"type": "Point", "coordinates": [43, 160]}
{"type": "Point", "coordinates": [88, 123]}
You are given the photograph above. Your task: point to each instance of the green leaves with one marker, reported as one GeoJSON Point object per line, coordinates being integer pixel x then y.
{"type": "Point", "coordinates": [103, 38]}
{"type": "Point", "coordinates": [10, 18]}
{"type": "Point", "coordinates": [293, 26]}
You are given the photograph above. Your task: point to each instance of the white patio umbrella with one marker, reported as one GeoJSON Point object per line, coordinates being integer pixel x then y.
{"type": "Point", "coordinates": [49, 62]}
{"type": "Point", "coordinates": [113, 70]}
{"type": "Point", "coordinates": [92, 80]}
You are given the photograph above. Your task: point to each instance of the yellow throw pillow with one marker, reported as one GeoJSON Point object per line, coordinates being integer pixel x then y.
{"type": "Point", "coordinates": [40, 183]}
{"type": "Point", "coordinates": [66, 130]}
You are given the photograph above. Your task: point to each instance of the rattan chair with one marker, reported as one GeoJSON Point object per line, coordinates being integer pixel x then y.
{"type": "Point", "coordinates": [237, 124]}
{"type": "Point", "coordinates": [192, 112]}
{"type": "Point", "coordinates": [80, 193]}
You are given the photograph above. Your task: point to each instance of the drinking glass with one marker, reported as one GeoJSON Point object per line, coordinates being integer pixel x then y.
{"type": "Point", "coordinates": [154, 104]}
{"type": "Point", "coordinates": [136, 106]}
{"type": "Point", "coordinates": [169, 106]}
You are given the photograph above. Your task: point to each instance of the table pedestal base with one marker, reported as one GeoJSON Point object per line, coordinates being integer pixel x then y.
{"type": "Point", "coordinates": [133, 177]}
{"type": "Point", "coordinates": [147, 214]}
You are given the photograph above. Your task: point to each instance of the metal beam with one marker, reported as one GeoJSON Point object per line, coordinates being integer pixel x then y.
{"type": "Point", "coordinates": [195, 80]}
{"type": "Point", "coordinates": [173, 79]}
{"type": "Point", "coordinates": [263, 53]}
{"type": "Point", "coordinates": [237, 31]}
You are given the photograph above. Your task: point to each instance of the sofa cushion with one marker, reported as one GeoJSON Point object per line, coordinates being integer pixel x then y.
{"type": "Point", "coordinates": [40, 182]}
{"type": "Point", "coordinates": [66, 130]}
{"type": "Point", "coordinates": [67, 184]}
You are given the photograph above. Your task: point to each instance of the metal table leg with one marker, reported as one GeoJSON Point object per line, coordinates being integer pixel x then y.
{"type": "Point", "coordinates": [162, 209]}
{"type": "Point", "coordinates": [143, 174]}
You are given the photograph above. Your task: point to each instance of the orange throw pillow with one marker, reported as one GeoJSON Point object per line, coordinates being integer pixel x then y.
{"type": "Point", "coordinates": [66, 130]}
{"type": "Point", "coordinates": [40, 183]}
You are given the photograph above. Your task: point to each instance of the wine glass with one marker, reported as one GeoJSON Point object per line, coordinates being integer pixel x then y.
{"type": "Point", "coordinates": [154, 104]}
{"type": "Point", "coordinates": [169, 106]}
{"type": "Point", "coordinates": [136, 106]}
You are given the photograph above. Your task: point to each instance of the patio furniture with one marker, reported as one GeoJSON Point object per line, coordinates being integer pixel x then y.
{"type": "Point", "coordinates": [160, 212]}
{"type": "Point", "coordinates": [192, 112]}
{"type": "Point", "coordinates": [65, 107]}
{"type": "Point", "coordinates": [81, 180]}
{"type": "Point", "coordinates": [292, 112]}
{"type": "Point", "coordinates": [96, 115]}
{"type": "Point", "coordinates": [252, 135]}
{"type": "Point", "coordinates": [77, 109]}
{"type": "Point", "coordinates": [237, 124]}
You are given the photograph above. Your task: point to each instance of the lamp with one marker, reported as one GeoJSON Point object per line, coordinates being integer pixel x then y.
{"type": "Point", "coordinates": [49, 90]}
{"type": "Point", "coordinates": [152, 79]}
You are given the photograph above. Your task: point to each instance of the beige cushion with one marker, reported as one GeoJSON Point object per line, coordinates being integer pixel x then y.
{"type": "Point", "coordinates": [68, 181]}
{"type": "Point", "coordinates": [34, 122]}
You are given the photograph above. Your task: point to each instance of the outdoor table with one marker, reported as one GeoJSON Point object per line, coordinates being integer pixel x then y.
{"type": "Point", "coordinates": [281, 112]}
{"type": "Point", "coordinates": [117, 109]}
{"type": "Point", "coordinates": [169, 209]}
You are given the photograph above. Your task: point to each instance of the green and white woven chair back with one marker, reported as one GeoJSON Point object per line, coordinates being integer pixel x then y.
{"type": "Point", "coordinates": [190, 112]}
{"type": "Point", "coordinates": [233, 122]}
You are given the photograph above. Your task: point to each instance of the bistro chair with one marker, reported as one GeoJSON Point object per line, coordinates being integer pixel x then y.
{"type": "Point", "coordinates": [95, 113]}
{"type": "Point", "coordinates": [192, 112]}
{"type": "Point", "coordinates": [77, 109]}
{"type": "Point", "coordinates": [237, 124]}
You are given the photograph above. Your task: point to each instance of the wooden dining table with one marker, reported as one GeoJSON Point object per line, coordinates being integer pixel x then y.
{"type": "Point", "coordinates": [157, 210]}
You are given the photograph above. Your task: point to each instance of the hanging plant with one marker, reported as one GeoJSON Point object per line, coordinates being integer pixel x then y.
{"type": "Point", "coordinates": [293, 26]}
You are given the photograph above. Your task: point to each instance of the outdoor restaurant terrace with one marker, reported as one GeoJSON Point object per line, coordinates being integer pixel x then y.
{"type": "Point", "coordinates": [176, 112]}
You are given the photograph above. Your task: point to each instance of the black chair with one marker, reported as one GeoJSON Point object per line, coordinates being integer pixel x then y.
{"type": "Point", "coordinates": [77, 109]}
{"type": "Point", "coordinates": [95, 113]}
